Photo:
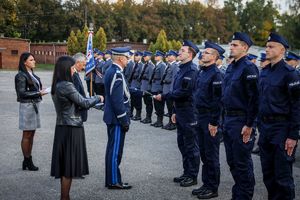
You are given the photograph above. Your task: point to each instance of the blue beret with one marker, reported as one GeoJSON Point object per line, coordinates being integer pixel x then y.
{"type": "Point", "coordinates": [123, 51]}
{"type": "Point", "coordinates": [292, 56]}
{"type": "Point", "coordinates": [147, 53]}
{"type": "Point", "coordinates": [274, 37]}
{"type": "Point", "coordinates": [108, 52]}
{"type": "Point", "coordinates": [172, 53]}
{"type": "Point", "coordinates": [251, 56]}
{"type": "Point", "coordinates": [242, 37]}
{"type": "Point", "coordinates": [214, 46]}
{"type": "Point", "coordinates": [263, 57]}
{"type": "Point", "coordinates": [191, 44]}
{"type": "Point", "coordinates": [100, 53]}
{"type": "Point", "coordinates": [159, 53]}
{"type": "Point", "coordinates": [200, 55]}
{"type": "Point", "coordinates": [138, 53]}
{"type": "Point", "coordinates": [131, 53]}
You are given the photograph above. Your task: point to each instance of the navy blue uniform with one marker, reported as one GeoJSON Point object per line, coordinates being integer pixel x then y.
{"type": "Point", "coordinates": [240, 101]}
{"type": "Point", "coordinates": [134, 82]}
{"type": "Point", "coordinates": [279, 118]}
{"type": "Point", "coordinates": [182, 95]}
{"type": "Point", "coordinates": [99, 78]}
{"type": "Point", "coordinates": [208, 104]}
{"type": "Point", "coordinates": [116, 116]}
{"type": "Point", "coordinates": [128, 69]}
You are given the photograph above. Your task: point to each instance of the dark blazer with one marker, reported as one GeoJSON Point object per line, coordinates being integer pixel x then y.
{"type": "Point", "coordinates": [67, 100]}
{"type": "Point", "coordinates": [79, 87]}
{"type": "Point", "coordinates": [27, 92]}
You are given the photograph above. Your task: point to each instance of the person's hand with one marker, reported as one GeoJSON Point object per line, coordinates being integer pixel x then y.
{"type": "Point", "coordinates": [158, 97]}
{"type": "Point", "coordinates": [101, 98]}
{"type": "Point", "coordinates": [212, 130]}
{"type": "Point", "coordinates": [246, 132]}
{"type": "Point", "coordinates": [173, 118]}
{"type": "Point", "coordinates": [290, 145]}
{"type": "Point", "coordinates": [43, 92]}
{"type": "Point", "coordinates": [125, 128]}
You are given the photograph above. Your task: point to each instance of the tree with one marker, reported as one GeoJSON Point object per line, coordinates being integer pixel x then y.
{"type": "Point", "coordinates": [72, 44]}
{"type": "Point", "coordinates": [80, 39]}
{"type": "Point", "coordinates": [161, 41]}
{"type": "Point", "coordinates": [100, 40]}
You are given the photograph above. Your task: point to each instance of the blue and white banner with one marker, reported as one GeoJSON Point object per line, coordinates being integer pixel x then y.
{"type": "Point", "coordinates": [90, 65]}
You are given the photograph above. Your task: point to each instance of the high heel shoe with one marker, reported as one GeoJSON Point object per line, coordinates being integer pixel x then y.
{"type": "Point", "coordinates": [28, 164]}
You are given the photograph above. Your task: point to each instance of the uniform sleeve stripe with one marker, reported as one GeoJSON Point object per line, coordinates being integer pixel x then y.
{"type": "Point", "coordinates": [122, 115]}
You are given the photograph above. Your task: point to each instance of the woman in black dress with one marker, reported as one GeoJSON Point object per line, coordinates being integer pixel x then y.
{"type": "Point", "coordinates": [29, 93]}
{"type": "Point", "coordinates": [69, 156]}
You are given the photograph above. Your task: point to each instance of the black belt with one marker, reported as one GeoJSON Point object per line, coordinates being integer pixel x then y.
{"type": "Point", "coordinates": [235, 113]}
{"type": "Point", "coordinates": [182, 104]}
{"type": "Point", "coordinates": [274, 118]}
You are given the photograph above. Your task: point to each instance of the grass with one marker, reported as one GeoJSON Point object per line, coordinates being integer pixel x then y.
{"type": "Point", "coordinates": [48, 67]}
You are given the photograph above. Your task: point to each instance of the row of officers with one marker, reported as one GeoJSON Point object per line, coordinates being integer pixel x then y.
{"type": "Point", "coordinates": [201, 102]}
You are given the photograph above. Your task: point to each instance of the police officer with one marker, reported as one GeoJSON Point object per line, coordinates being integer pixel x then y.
{"type": "Point", "coordinates": [134, 81]}
{"type": "Point", "coordinates": [116, 117]}
{"type": "Point", "coordinates": [182, 95]}
{"type": "Point", "coordinates": [252, 58]}
{"type": "Point", "coordinates": [128, 68]}
{"type": "Point", "coordinates": [156, 87]}
{"type": "Point", "coordinates": [293, 60]}
{"type": "Point", "coordinates": [279, 118]}
{"type": "Point", "coordinates": [145, 76]}
{"type": "Point", "coordinates": [220, 65]}
{"type": "Point", "coordinates": [108, 61]}
{"type": "Point", "coordinates": [167, 81]}
{"type": "Point", "coordinates": [240, 101]}
{"type": "Point", "coordinates": [208, 93]}
{"type": "Point", "coordinates": [99, 78]}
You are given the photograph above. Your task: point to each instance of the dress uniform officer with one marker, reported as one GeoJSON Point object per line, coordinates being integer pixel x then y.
{"type": "Point", "coordinates": [167, 83]}
{"type": "Point", "coordinates": [116, 117]}
{"type": "Point", "coordinates": [240, 103]}
{"type": "Point", "coordinates": [208, 93]}
{"type": "Point", "coordinates": [156, 87]}
{"type": "Point", "coordinates": [136, 99]}
{"type": "Point", "coordinates": [128, 68]}
{"type": "Point", "coordinates": [145, 85]}
{"type": "Point", "coordinates": [99, 78]}
{"type": "Point", "coordinates": [182, 95]}
{"type": "Point", "coordinates": [293, 60]}
{"type": "Point", "coordinates": [279, 120]}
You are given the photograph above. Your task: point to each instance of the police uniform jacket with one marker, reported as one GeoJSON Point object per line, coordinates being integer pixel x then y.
{"type": "Point", "coordinates": [128, 69]}
{"type": "Point", "coordinates": [67, 101]}
{"type": "Point", "coordinates": [240, 89]}
{"type": "Point", "coordinates": [168, 77]}
{"type": "Point", "coordinates": [106, 65]}
{"type": "Point", "coordinates": [99, 78]}
{"type": "Point", "coordinates": [135, 74]}
{"type": "Point", "coordinates": [279, 87]}
{"type": "Point", "coordinates": [117, 97]}
{"type": "Point", "coordinates": [157, 74]}
{"type": "Point", "coordinates": [145, 75]}
{"type": "Point", "coordinates": [208, 93]}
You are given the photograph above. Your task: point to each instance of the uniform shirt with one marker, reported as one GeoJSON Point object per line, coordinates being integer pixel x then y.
{"type": "Point", "coordinates": [168, 77]}
{"type": "Point", "coordinates": [279, 87]}
{"type": "Point", "coordinates": [183, 85]}
{"type": "Point", "coordinates": [145, 75]}
{"type": "Point", "coordinates": [117, 97]}
{"type": "Point", "coordinates": [208, 92]}
{"type": "Point", "coordinates": [156, 77]}
{"type": "Point", "coordinates": [240, 89]}
{"type": "Point", "coordinates": [99, 71]}
{"type": "Point", "coordinates": [135, 74]}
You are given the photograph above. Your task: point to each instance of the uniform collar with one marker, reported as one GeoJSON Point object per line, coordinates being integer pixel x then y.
{"type": "Point", "coordinates": [276, 65]}
{"type": "Point", "coordinates": [121, 69]}
{"type": "Point", "coordinates": [171, 63]}
{"type": "Point", "coordinates": [158, 62]}
{"type": "Point", "coordinates": [186, 64]}
{"type": "Point", "coordinates": [206, 68]}
{"type": "Point", "coordinates": [237, 63]}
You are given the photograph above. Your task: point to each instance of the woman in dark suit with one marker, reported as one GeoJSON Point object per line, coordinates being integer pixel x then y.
{"type": "Point", "coordinates": [69, 156]}
{"type": "Point", "coordinates": [29, 93]}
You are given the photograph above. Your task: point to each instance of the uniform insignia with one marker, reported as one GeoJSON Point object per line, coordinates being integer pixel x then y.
{"type": "Point", "coordinates": [217, 82]}
{"type": "Point", "coordinates": [294, 83]}
{"type": "Point", "coordinates": [187, 78]}
{"type": "Point", "coordinates": [252, 76]}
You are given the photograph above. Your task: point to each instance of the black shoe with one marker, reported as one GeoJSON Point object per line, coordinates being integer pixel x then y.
{"type": "Point", "coordinates": [256, 151]}
{"type": "Point", "coordinates": [118, 186]}
{"type": "Point", "coordinates": [158, 124]}
{"type": "Point", "coordinates": [188, 181]}
{"type": "Point", "coordinates": [136, 118]}
{"type": "Point", "coordinates": [146, 121]}
{"type": "Point", "coordinates": [199, 190]}
{"type": "Point", "coordinates": [166, 126]}
{"type": "Point", "coordinates": [179, 178]}
{"type": "Point", "coordinates": [171, 127]}
{"type": "Point", "coordinates": [207, 194]}
{"type": "Point", "coordinates": [28, 164]}
{"type": "Point", "coordinates": [153, 124]}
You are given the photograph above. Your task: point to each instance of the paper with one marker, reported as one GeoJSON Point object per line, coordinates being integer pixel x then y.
{"type": "Point", "coordinates": [48, 90]}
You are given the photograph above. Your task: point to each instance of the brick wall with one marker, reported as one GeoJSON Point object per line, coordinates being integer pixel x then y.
{"type": "Point", "coordinates": [11, 49]}
{"type": "Point", "coordinates": [48, 53]}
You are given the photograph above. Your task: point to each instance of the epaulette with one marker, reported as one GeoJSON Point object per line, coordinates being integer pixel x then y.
{"type": "Point", "coordinates": [289, 68]}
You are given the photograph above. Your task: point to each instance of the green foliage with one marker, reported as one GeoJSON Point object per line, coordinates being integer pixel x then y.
{"type": "Point", "coordinates": [72, 44]}
{"type": "Point", "coordinates": [100, 40]}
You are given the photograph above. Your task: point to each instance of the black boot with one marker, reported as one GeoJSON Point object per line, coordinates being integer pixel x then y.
{"type": "Point", "coordinates": [28, 164]}
{"type": "Point", "coordinates": [171, 126]}
{"type": "Point", "coordinates": [137, 116]}
{"type": "Point", "coordinates": [159, 122]}
{"type": "Point", "coordinates": [147, 120]}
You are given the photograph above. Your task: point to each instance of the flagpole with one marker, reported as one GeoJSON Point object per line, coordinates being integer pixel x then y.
{"type": "Point", "coordinates": [91, 84]}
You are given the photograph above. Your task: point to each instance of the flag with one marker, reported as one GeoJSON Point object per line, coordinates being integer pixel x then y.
{"type": "Point", "coordinates": [90, 65]}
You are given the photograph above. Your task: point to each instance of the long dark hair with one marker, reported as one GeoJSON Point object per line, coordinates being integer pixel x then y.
{"type": "Point", "coordinates": [62, 71]}
{"type": "Point", "coordinates": [24, 56]}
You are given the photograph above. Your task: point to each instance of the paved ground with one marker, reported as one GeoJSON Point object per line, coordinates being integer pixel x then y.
{"type": "Point", "coordinates": [151, 158]}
